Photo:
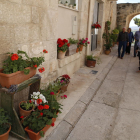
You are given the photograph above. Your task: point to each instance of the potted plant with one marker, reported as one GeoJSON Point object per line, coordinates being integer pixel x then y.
{"type": "Point", "coordinates": [64, 80]}
{"type": "Point", "coordinates": [73, 46]}
{"type": "Point", "coordinates": [38, 122]}
{"type": "Point", "coordinates": [16, 69]}
{"type": "Point", "coordinates": [96, 26]}
{"type": "Point", "coordinates": [62, 47]}
{"type": "Point", "coordinates": [70, 6]}
{"type": "Point", "coordinates": [91, 60]}
{"type": "Point", "coordinates": [5, 125]}
{"type": "Point", "coordinates": [82, 42]}
{"type": "Point", "coordinates": [59, 2]}
{"type": "Point", "coordinates": [25, 108]}
{"type": "Point", "coordinates": [114, 35]}
{"type": "Point", "coordinates": [107, 38]}
{"type": "Point", "coordinates": [74, 6]}
{"type": "Point", "coordinates": [66, 3]}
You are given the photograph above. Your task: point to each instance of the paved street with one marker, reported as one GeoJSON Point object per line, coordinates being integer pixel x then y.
{"type": "Point", "coordinates": [110, 108]}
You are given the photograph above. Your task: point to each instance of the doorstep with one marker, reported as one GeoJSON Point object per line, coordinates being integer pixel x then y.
{"type": "Point", "coordinates": [76, 102]}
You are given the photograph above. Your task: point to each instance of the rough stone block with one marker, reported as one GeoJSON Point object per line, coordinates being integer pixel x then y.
{"type": "Point", "coordinates": [14, 13]}
{"type": "Point", "coordinates": [95, 123]}
{"type": "Point", "coordinates": [61, 131]}
{"type": "Point", "coordinates": [16, 1]}
{"type": "Point", "coordinates": [74, 114]}
{"type": "Point", "coordinates": [88, 95]}
{"type": "Point", "coordinates": [53, 65]}
{"type": "Point", "coordinates": [101, 76]}
{"type": "Point", "coordinates": [35, 15]}
{"type": "Point", "coordinates": [26, 33]}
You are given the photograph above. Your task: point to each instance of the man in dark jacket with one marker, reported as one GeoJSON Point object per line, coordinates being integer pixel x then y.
{"type": "Point", "coordinates": [122, 40]}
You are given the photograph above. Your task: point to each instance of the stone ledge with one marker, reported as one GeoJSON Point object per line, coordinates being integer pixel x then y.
{"type": "Point", "coordinates": [61, 5]}
{"type": "Point", "coordinates": [68, 59]}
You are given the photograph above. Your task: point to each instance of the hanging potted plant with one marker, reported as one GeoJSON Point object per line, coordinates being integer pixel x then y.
{"type": "Point", "coordinates": [82, 42]}
{"type": "Point", "coordinates": [62, 47]}
{"type": "Point", "coordinates": [92, 60]}
{"type": "Point", "coordinates": [25, 108]}
{"type": "Point", "coordinates": [96, 26]}
{"type": "Point", "coordinates": [5, 125]}
{"type": "Point", "coordinates": [16, 69]}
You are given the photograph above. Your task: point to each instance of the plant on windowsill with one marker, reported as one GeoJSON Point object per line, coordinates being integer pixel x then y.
{"type": "Point", "coordinates": [5, 125]}
{"type": "Point", "coordinates": [25, 108]}
{"type": "Point", "coordinates": [74, 6]}
{"type": "Point", "coordinates": [107, 38]}
{"type": "Point", "coordinates": [66, 4]}
{"type": "Point", "coordinates": [62, 47]}
{"type": "Point", "coordinates": [92, 60]}
{"type": "Point", "coordinates": [96, 26]}
{"type": "Point", "coordinates": [17, 69]}
{"type": "Point", "coordinates": [82, 42]}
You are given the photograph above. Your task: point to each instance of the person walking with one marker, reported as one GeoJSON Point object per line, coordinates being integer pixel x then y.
{"type": "Point", "coordinates": [138, 50]}
{"type": "Point", "coordinates": [137, 37]}
{"type": "Point", "coordinates": [131, 39]}
{"type": "Point", "coordinates": [122, 40]}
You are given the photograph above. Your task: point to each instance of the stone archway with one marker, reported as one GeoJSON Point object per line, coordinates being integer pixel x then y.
{"type": "Point", "coordinates": [125, 13]}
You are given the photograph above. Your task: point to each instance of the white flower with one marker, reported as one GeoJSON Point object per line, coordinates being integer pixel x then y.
{"type": "Point", "coordinates": [42, 97]}
{"type": "Point", "coordinates": [36, 93]}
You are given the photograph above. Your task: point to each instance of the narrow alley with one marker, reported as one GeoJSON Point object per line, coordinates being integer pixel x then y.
{"type": "Point", "coordinates": [111, 103]}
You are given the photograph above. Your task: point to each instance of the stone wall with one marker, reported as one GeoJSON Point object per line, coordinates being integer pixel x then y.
{"type": "Point", "coordinates": [34, 25]}
{"type": "Point", "coordinates": [125, 13]}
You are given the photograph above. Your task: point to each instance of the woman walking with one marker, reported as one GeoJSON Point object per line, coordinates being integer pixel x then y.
{"type": "Point", "coordinates": [131, 39]}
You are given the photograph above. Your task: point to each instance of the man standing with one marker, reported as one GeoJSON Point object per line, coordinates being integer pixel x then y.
{"type": "Point", "coordinates": [137, 37]}
{"type": "Point", "coordinates": [122, 40]}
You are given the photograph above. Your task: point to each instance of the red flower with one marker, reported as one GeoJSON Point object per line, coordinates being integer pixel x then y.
{"type": "Point", "coordinates": [46, 106]}
{"type": "Point", "coordinates": [41, 114]}
{"type": "Point", "coordinates": [40, 107]}
{"type": "Point", "coordinates": [21, 117]}
{"type": "Point", "coordinates": [45, 51]}
{"type": "Point", "coordinates": [52, 93]}
{"type": "Point", "coordinates": [39, 101]}
{"type": "Point", "coordinates": [59, 41]}
{"type": "Point", "coordinates": [14, 57]}
{"type": "Point", "coordinates": [61, 97]}
{"type": "Point", "coordinates": [41, 69]}
{"type": "Point", "coordinates": [65, 96]}
{"type": "Point", "coordinates": [65, 41]}
{"type": "Point", "coordinates": [68, 44]}
{"type": "Point", "coordinates": [66, 76]}
{"type": "Point", "coordinates": [35, 66]}
{"type": "Point", "coordinates": [30, 101]}
{"type": "Point", "coordinates": [52, 124]}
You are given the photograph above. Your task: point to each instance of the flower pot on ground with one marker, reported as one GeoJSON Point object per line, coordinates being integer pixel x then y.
{"type": "Point", "coordinates": [16, 69]}
{"type": "Point", "coordinates": [25, 108]}
{"type": "Point", "coordinates": [107, 52]}
{"type": "Point", "coordinates": [5, 125]}
{"type": "Point", "coordinates": [64, 80]}
{"type": "Point", "coordinates": [91, 60]}
{"type": "Point", "coordinates": [62, 47]}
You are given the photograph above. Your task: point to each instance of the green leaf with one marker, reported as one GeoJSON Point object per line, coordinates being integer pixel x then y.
{"type": "Point", "coordinates": [26, 71]}
{"type": "Point", "coordinates": [41, 133]}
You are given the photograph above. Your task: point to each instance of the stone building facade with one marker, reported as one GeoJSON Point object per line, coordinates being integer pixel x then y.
{"type": "Point", "coordinates": [34, 25]}
{"type": "Point", "coordinates": [125, 13]}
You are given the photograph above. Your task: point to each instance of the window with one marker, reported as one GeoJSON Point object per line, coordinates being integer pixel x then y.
{"type": "Point", "coordinates": [72, 2]}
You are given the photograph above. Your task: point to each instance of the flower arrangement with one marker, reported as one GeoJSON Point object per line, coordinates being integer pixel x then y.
{"type": "Point", "coordinates": [15, 62]}
{"type": "Point", "coordinates": [37, 98]}
{"type": "Point", "coordinates": [83, 42]}
{"type": "Point", "coordinates": [62, 45]}
{"type": "Point", "coordinates": [4, 121]}
{"type": "Point", "coordinates": [96, 25]}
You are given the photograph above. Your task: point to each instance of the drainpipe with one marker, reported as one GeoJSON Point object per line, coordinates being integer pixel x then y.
{"type": "Point", "coordinates": [89, 28]}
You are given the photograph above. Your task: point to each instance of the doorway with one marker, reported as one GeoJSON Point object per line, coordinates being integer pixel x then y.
{"type": "Point", "coordinates": [95, 19]}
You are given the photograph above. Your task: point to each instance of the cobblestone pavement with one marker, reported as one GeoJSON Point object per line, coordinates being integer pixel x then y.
{"type": "Point", "coordinates": [110, 107]}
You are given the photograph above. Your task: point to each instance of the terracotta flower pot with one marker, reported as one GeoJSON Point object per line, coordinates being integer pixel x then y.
{"type": "Point", "coordinates": [90, 63]}
{"type": "Point", "coordinates": [23, 112]}
{"type": "Point", "coordinates": [5, 135]}
{"type": "Point", "coordinates": [6, 80]}
{"type": "Point", "coordinates": [80, 48]}
{"type": "Point", "coordinates": [107, 52]}
{"type": "Point", "coordinates": [36, 136]}
{"type": "Point", "coordinates": [61, 54]}
{"type": "Point", "coordinates": [57, 93]}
